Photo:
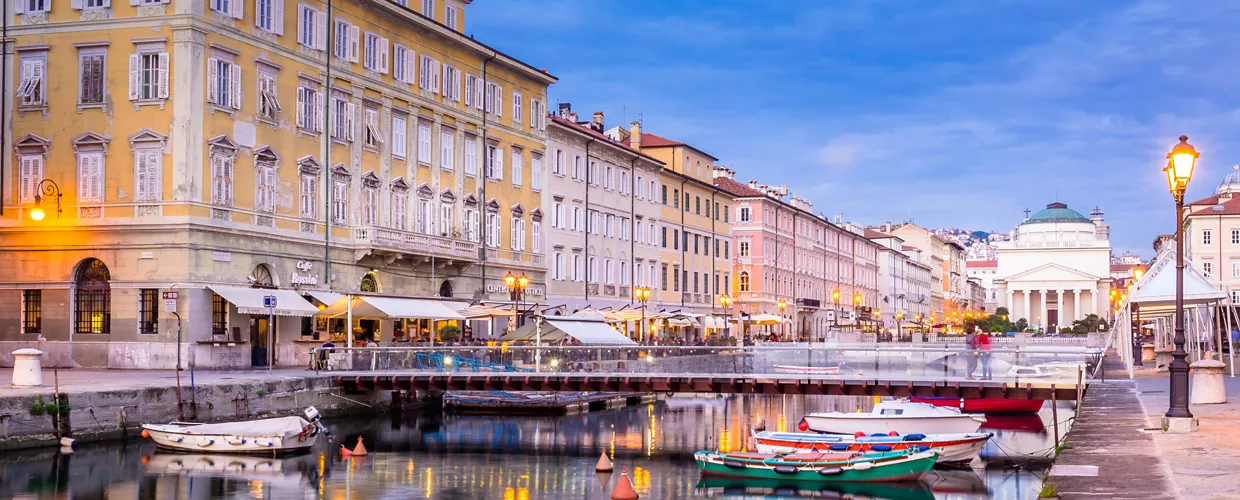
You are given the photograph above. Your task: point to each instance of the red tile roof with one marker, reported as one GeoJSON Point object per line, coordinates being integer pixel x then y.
{"type": "Point", "coordinates": [875, 235]}
{"type": "Point", "coordinates": [599, 136]}
{"type": "Point", "coordinates": [657, 141]}
{"type": "Point", "coordinates": [730, 186]}
{"type": "Point", "coordinates": [1227, 207]}
{"type": "Point", "coordinates": [908, 247]}
{"type": "Point", "coordinates": [1209, 200]}
{"type": "Point", "coordinates": [981, 263]}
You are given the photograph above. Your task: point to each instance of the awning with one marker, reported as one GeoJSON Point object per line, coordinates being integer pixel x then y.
{"type": "Point", "coordinates": [766, 319]}
{"type": "Point", "coordinates": [682, 321]}
{"type": "Point", "coordinates": [327, 298]}
{"type": "Point", "coordinates": [250, 300]}
{"type": "Point", "coordinates": [367, 306]}
{"type": "Point", "coordinates": [590, 331]}
{"type": "Point", "coordinates": [480, 311]}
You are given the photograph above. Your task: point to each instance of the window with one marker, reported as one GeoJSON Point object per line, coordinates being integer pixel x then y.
{"type": "Point", "coordinates": [449, 17]}
{"type": "Point", "coordinates": [518, 165]}
{"type": "Point", "coordinates": [399, 141]}
{"type": "Point", "coordinates": [148, 311]}
{"type": "Point", "coordinates": [371, 136]}
{"type": "Point", "coordinates": [90, 76]}
{"type": "Point", "coordinates": [311, 27]}
{"type": "Point", "coordinates": [347, 41]}
{"type": "Point", "coordinates": [148, 175]}
{"type": "Point", "coordinates": [1235, 236]}
{"type": "Point", "coordinates": [92, 298]}
{"type": "Point", "coordinates": [268, 103]}
{"type": "Point", "coordinates": [309, 108]}
{"type": "Point", "coordinates": [594, 177]}
{"type": "Point", "coordinates": [309, 191]}
{"type": "Point", "coordinates": [686, 201]}
{"type": "Point", "coordinates": [664, 238]}
{"type": "Point", "coordinates": [676, 239]}
{"type": "Point", "coordinates": [695, 282]}
{"type": "Point", "coordinates": [516, 108]}
{"type": "Point", "coordinates": [219, 315]}
{"type": "Point", "coordinates": [222, 178]}
{"type": "Point", "coordinates": [697, 204]}
{"type": "Point", "coordinates": [269, 15]}
{"type": "Point", "coordinates": [377, 55]}
{"type": "Point", "coordinates": [676, 278]}
{"type": "Point", "coordinates": [493, 230]}
{"type": "Point", "coordinates": [471, 224]}
{"type": "Point", "coordinates": [593, 276]}
{"type": "Point", "coordinates": [428, 77]}
{"type": "Point", "coordinates": [609, 179]}
{"type": "Point", "coordinates": [447, 146]}
{"type": "Point", "coordinates": [424, 142]}
{"type": "Point", "coordinates": [577, 267]}
{"type": "Point", "coordinates": [265, 198]}
{"type": "Point", "coordinates": [557, 168]}
{"type": "Point", "coordinates": [716, 248]}
{"type": "Point", "coordinates": [451, 83]}
{"type": "Point", "coordinates": [148, 76]}
{"type": "Point", "coordinates": [663, 278]}
{"type": "Point", "coordinates": [446, 218]}
{"type": "Point", "coordinates": [495, 163]}
{"type": "Point", "coordinates": [90, 177]}
{"type": "Point", "coordinates": [675, 198]}
{"type": "Point", "coordinates": [557, 215]}
{"type": "Point", "coordinates": [538, 115]}
{"type": "Point", "coordinates": [370, 206]}
{"type": "Point", "coordinates": [609, 272]}
{"type": "Point", "coordinates": [624, 182]}
{"type": "Point", "coordinates": [340, 200]}
{"type": "Point", "coordinates": [1235, 269]}
{"type": "Point", "coordinates": [536, 172]}
{"type": "Point", "coordinates": [652, 185]}
{"type": "Point", "coordinates": [403, 64]}
{"type": "Point", "coordinates": [473, 91]}
{"type": "Point", "coordinates": [536, 236]}
{"type": "Point", "coordinates": [33, 6]}
{"type": "Point", "coordinates": [494, 99]}
{"type": "Point", "coordinates": [1207, 237]}
{"type": "Point", "coordinates": [577, 162]}
{"type": "Point", "coordinates": [428, 8]}
{"type": "Point", "coordinates": [32, 311]}
{"type": "Point", "coordinates": [744, 214]}
{"type": "Point", "coordinates": [33, 87]}
{"type": "Point", "coordinates": [744, 285]}
{"type": "Point", "coordinates": [743, 248]}
{"type": "Point", "coordinates": [230, 8]}
{"type": "Point", "coordinates": [343, 112]}
{"type": "Point", "coordinates": [576, 218]}
{"type": "Point", "coordinates": [725, 250]}
{"type": "Point", "coordinates": [559, 265]}
{"type": "Point", "coordinates": [708, 209]}
{"type": "Point", "coordinates": [1207, 269]}
{"type": "Point", "coordinates": [471, 156]}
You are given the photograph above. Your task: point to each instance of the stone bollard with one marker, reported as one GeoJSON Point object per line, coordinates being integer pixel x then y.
{"type": "Point", "coordinates": [1162, 358]}
{"type": "Point", "coordinates": [1147, 353]}
{"type": "Point", "coordinates": [1208, 382]}
{"type": "Point", "coordinates": [27, 368]}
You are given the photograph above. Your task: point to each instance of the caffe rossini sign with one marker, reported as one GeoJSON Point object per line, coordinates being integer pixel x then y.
{"type": "Point", "coordinates": [304, 274]}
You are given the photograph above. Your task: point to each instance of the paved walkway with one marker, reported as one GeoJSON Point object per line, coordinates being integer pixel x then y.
{"type": "Point", "coordinates": [91, 380]}
{"type": "Point", "coordinates": [1111, 454]}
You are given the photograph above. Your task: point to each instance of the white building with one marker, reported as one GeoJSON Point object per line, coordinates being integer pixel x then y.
{"type": "Point", "coordinates": [903, 282]}
{"type": "Point", "coordinates": [985, 271]}
{"type": "Point", "coordinates": [1057, 269]}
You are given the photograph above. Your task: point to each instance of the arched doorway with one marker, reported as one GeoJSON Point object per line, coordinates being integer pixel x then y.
{"type": "Point", "coordinates": [369, 327]}
{"type": "Point", "coordinates": [261, 325]}
{"type": "Point", "coordinates": [445, 289]}
{"type": "Point", "coordinates": [92, 298]}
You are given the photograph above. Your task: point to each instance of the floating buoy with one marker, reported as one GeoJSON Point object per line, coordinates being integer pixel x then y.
{"type": "Point", "coordinates": [146, 435]}
{"type": "Point", "coordinates": [345, 452]}
{"type": "Point", "coordinates": [858, 434]}
{"type": "Point", "coordinates": [893, 433]}
{"type": "Point", "coordinates": [624, 487]}
{"type": "Point", "coordinates": [360, 449]}
{"type": "Point", "coordinates": [604, 465]}
{"type": "Point", "coordinates": [68, 442]}
{"type": "Point", "coordinates": [803, 425]}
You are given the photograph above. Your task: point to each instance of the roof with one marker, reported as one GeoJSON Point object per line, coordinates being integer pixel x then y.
{"type": "Point", "coordinates": [1056, 213]}
{"type": "Point", "coordinates": [875, 235]}
{"type": "Point", "coordinates": [650, 140]}
{"type": "Point", "coordinates": [737, 189]}
{"type": "Point", "coordinates": [1209, 200]}
{"type": "Point", "coordinates": [599, 136]}
{"type": "Point", "coordinates": [1227, 207]}
{"type": "Point", "coordinates": [909, 247]}
{"type": "Point", "coordinates": [981, 263]}
{"type": "Point", "coordinates": [1123, 267]}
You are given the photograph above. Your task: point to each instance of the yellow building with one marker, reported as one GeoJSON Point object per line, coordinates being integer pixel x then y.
{"type": "Point", "coordinates": [211, 147]}
{"type": "Point", "coordinates": [695, 236]}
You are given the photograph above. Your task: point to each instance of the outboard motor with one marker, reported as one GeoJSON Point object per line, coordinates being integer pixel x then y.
{"type": "Point", "coordinates": [312, 414]}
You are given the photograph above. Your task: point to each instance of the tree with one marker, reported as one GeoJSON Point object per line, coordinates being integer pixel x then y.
{"type": "Point", "coordinates": [1091, 323]}
{"type": "Point", "coordinates": [449, 333]}
{"type": "Point", "coordinates": [1022, 325]}
{"type": "Point", "coordinates": [1002, 311]}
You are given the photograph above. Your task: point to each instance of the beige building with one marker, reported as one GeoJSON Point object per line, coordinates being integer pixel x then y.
{"type": "Point", "coordinates": [935, 254]}
{"type": "Point", "coordinates": [1212, 226]}
{"type": "Point", "coordinates": [228, 151]}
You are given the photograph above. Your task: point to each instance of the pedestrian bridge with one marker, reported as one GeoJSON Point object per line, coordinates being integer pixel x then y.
{"type": "Point", "coordinates": [1017, 372]}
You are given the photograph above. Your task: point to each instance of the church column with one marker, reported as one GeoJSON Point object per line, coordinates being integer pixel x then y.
{"type": "Point", "coordinates": [1061, 308]}
{"type": "Point", "coordinates": [1026, 313]}
{"type": "Point", "coordinates": [1011, 303]}
{"type": "Point", "coordinates": [1042, 308]}
{"type": "Point", "coordinates": [1076, 304]}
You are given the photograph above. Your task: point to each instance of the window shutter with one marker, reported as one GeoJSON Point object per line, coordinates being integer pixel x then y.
{"type": "Point", "coordinates": [19, 6]}
{"type": "Point", "coordinates": [96, 177]}
{"type": "Point", "coordinates": [301, 25]}
{"type": "Point", "coordinates": [141, 184]}
{"type": "Point", "coordinates": [301, 107]}
{"type": "Point", "coordinates": [435, 71]}
{"type": "Point", "coordinates": [469, 90]}
{"type": "Point", "coordinates": [74, 4]}
{"type": "Point", "coordinates": [499, 164]}
{"type": "Point", "coordinates": [135, 81]}
{"type": "Point", "coordinates": [84, 181]}
{"type": "Point", "coordinates": [212, 76]}
{"type": "Point", "coordinates": [237, 7]}
{"type": "Point", "coordinates": [349, 120]}
{"type": "Point", "coordinates": [235, 84]}
{"type": "Point", "coordinates": [384, 56]}
{"type": "Point", "coordinates": [499, 101]}
{"type": "Point", "coordinates": [317, 119]}
{"type": "Point", "coordinates": [163, 75]}
{"type": "Point", "coordinates": [277, 16]}
{"type": "Point", "coordinates": [447, 74]}
{"type": "Point", "coordinates": [320, 30]}
{"type": "Point", "coordinates": [355, 43]}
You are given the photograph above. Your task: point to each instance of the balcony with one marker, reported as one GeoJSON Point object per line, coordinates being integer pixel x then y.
{"type": "Point", "coordinates": [514, 258]}
{"type": "Point", "coordinates": [382, 239]}
{"type": "Point", "coordinates": [814, 303]}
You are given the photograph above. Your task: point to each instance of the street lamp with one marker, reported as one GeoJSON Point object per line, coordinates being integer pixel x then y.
{"type": "Point", "coordinates": [781, 305]}
{"type": "Point", "coordinates": [835, 296]}
{"type": "Point", "coordinates": [726, 302]}
{"type": "Point", "coordinates": [899, 325]}
{"type": "Point", "coordinates": [857, 308]}
{"type": "Point", "coordinates": [46, 187]}
{"type": "Point", "coordinates": [1179, 170]}
{"type": "Point", "coordinates": [642, 294]}
{"type": "Point", "coordinates": [516, 288]}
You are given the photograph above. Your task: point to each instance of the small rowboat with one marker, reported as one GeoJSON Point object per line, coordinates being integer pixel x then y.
{"type": "Point", "coordinates": [873, 467]}
{"type": "Point", "coordinates": [270, 436]}
{"type": "Point", "coordinates": [901, 417]}
{"type": "Point", "coordinates": [987, 406]}
{"type": "Point", "coordinates": [954, 449]}
{"type": "Point", "coordinates": [808, 370]}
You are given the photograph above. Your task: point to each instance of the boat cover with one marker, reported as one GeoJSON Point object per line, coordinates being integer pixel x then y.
{"type": "Point", "coordinates": [268, 427]}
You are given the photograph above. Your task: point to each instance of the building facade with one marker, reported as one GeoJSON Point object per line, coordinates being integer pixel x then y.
{"type": "Point", "coordinates": [932, 252]}
{"type": "Point", "coordinates": [251, 145]}
{"type": "Point", "coordinates": [1056, 270]}
{"type": "Point", "coordinates": [1212, 241]}
{"type": "Point", "coordinates": [601, 215]}
{"type": "Point", "coordinates": [985, 271]}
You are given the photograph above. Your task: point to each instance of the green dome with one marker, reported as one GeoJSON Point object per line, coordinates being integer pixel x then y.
{"type": "Point", "coordinates": [1056, 213]}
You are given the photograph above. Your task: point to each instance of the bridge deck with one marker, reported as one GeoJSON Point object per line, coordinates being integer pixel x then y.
{"type": "Point", "coordinates": [708, 383]}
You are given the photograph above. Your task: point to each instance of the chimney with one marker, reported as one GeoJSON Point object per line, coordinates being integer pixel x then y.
{"type": "Point", "coordinates": [635, 135]}
{"type": "Point", "coordinates": [753, 184]}
{"type": "Point", "coordinates": [598, 121]}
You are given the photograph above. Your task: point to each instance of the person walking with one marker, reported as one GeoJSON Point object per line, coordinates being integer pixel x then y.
{"type": "Point", "coordinates": [970, 354]}
{"type": "Point", "coordinates": [983, 345]}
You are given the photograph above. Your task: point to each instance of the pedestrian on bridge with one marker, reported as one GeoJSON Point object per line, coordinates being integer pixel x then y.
{"type": "Point", "coordinates": [983, 345]}
{"type": "Point", "coordinates": [971, 352]}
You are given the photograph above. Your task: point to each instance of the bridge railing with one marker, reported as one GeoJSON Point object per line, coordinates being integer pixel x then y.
{"type": "Point", "coordinates": [943, 362]}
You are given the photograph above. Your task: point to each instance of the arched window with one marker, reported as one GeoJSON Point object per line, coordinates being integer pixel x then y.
{"type": "Point", "coordinates": [93, 298]}
{"type": "Point", "coordinates": [261, 277]}
{"type": "Point", "coordinates": [744, 281]}
{"type": "Point", "coordinates": [369, 283]}
{"type": "Point", "coordinates": [445, 289]}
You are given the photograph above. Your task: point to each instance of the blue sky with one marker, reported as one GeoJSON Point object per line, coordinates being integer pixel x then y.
{"type": "Point", "coordinates": [959, 113]}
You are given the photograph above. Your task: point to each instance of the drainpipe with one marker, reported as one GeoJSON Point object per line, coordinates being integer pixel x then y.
{"type": "Point", "coordinates": [4, 103]}
{"type": "Point", "coordinates": [632, 227]}
{"type": "Point", "coordinates": [482, 251]}
{"type": "Point", "coordinates": [327, 155]}
{"type": "Point", "coordinates": [684, 270]}
{"type": "Point", "coordinates": [586, 289]}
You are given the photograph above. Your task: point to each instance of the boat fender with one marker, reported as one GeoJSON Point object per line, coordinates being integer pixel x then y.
{"type": "Point", "coordinates": [178, 439]}
{"type": "Point", "coordinates": [863, 466]}
{"type": "Point", "coordinates": [236, 442]}
{"type": "Point", "coordinates": [893, 433]}
{"type": "Point", "coordinates": [785, 469]}
{"type": "Point", "coordinates": [914, 437]}
{"type": "Point", "coordinates": [830, 471]}
{"type": "Point", "coordinates": [839, 447]}
{"type": "Point", "coordinates": [733, 464]}
{"type": "Point", "coordinates": [207, 442]}
{"type": "Point", "coordinates": [878, 434]}
{"type": "Point", "coordinates": [858, 434]}
{"type": "Point", "coordinates": [880, 447]}
{"type": "Point", "coordinates": [268, 444]}
{"type": "Point", "coordinates": [803, 425]}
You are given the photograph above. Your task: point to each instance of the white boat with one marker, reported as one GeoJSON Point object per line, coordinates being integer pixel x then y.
{"type": "Point", "coordinates": [954, 449]}
{"type": "Point", "coordinates": [902, 417]}
{"type": "Point", "coordinates": [266, 436]}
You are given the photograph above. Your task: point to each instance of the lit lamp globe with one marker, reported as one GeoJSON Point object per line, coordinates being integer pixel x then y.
{"type": "Point", "coordinates": [1179, 170]}
{"type": "Point", "coordinates": [37, 213]}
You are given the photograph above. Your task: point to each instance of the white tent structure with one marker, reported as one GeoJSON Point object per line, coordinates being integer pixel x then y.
{"type": "Point", "coordinates": [587, 330]}
{"type": "Point", "coordinates": [1152, 299]}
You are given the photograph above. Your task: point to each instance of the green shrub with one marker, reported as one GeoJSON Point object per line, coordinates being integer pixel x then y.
{"type": "Point", "coordinates": [449, 333]}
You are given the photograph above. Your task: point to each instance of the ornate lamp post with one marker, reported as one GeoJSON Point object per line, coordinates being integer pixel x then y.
{"type": "Point", "coordinates": [726, 302]}
{"type": "Point", "coordinates": [1179, 170]}
{"type": "Point", "coordinates": [857, 309]}
{"type": "Point", "coordinates": [516, 288]}
{"type": "Point", "coordinates": [781, 305]}
{"type": "Point", "coordinates": [49, 188]}
{"type": "Point", "coordinates": [899, 325]}
{"type": "Point", "coordinates": [642, 294]}
{"type": "Point", "coordinates": [835, 296]}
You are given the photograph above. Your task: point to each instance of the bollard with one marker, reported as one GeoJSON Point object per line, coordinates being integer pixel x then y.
{"type": "Point", "coordinates": [27, 368]}
{"type": "Point", "coordinates": [1208, 385]}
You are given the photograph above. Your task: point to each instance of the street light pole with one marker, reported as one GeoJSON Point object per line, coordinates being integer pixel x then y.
{"type": "Point", "coordinates": [642, 294]}
{"type": "Point", "coordinates": [1179, 170]}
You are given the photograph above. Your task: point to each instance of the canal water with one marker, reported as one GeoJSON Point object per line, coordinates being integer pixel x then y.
{"type": "Point", "coordinates": [429, 455]}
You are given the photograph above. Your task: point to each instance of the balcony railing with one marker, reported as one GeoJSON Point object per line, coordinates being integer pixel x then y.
{"type": "Point", "coordinates": [382, 238]}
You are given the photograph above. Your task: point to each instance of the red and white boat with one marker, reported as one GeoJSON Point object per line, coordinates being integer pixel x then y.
{"type": "Point", "coordinates": [988, 406]}
{"type": "Point", "coordinates": [956, 449]}
{"type": "Point", "coordinates": [808, 370]}
{"type": "Point", "coordinates": [901, 417]}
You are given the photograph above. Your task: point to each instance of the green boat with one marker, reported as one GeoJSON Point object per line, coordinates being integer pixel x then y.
{"type": "Point", "coordinates": [783, 488]}
{"type": "Point", "coordinates": [873, 467]}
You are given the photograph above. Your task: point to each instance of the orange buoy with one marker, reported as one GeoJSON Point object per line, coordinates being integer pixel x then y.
{"type": "Point", "coordinates": [624, 487]}
{"type": "Point", "coordinates": [803, 425]}
{"type": "Point", "coordinates": [604, 465]}
{"type": "Point", "coordinates": [145, 434]}
{"type": "Point", "coordinates": [345, 452]}
{"type": "Point", "coordinates": [360, 449]}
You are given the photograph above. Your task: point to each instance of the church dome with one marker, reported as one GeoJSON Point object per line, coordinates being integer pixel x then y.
{"type": "Point", "coordinates": [1056, 213]}
{"type": "Point", "coordinates": [1231, 183]}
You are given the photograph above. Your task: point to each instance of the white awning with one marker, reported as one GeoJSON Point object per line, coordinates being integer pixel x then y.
{"type": "Point", "coordinates": [367, 306]}
{"type": "Point", "coordinates": [586, 330]}
{"type": "Point", "coordinates": [250, 300]}
{"type": "Point", "coordinates": [327, 298]}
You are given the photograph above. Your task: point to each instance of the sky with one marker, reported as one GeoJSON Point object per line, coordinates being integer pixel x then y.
{"type": "Point", "coordinates": [951, 114]}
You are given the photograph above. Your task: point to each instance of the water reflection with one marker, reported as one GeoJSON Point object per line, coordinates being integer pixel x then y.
{"type": "Point", "coordinates": [435, 456]}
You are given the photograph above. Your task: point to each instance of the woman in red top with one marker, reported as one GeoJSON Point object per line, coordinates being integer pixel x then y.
{"type": "Point", "coordinates": [983, 345]}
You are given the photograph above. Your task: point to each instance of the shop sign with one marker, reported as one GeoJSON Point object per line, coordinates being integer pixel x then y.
{"type": "Point", "coordinates": [529, 290]}
{"type": "Point", "coordinates": [170, 302]}
{"type": "Point", "coordinates": [303, 274]}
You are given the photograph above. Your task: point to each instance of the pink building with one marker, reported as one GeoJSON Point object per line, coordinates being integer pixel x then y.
{"type": "Point", "coordinates": [786, 252]}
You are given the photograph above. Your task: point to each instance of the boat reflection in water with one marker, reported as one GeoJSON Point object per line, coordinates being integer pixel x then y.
{"type": "Point", "coordinates": [448, 457]}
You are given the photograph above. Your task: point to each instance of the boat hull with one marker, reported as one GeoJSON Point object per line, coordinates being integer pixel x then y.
{"type": "Point", "coordinates": [954, 449]}
{"type": "Point", "coordinates": [910, 468]}
{"type": "Point", "coordinates": [850, 423]}
{"type": "Point", "coordinates": [175, 440]}
{"type": "Point", "coordinates": [986, 406]}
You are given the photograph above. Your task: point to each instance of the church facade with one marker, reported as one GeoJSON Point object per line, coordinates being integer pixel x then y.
{"type": "Point", "coordinates": [1056, 268]}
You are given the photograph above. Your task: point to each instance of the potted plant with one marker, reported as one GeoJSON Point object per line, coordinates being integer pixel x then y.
{"type": "Point", "coordinates": [449, 333]}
